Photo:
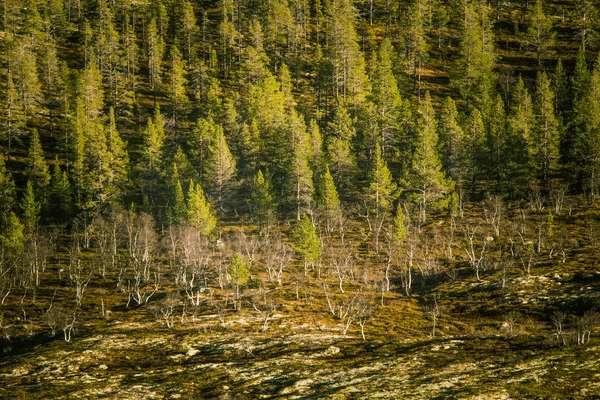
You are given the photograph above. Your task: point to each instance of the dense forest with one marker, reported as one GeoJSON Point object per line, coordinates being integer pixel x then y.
{"type": "Point", "coordinates": [326, 162]}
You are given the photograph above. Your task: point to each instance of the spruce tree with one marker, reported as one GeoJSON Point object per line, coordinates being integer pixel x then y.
{"type": "Point", "coordinates": [199, 211]}
{"type": "Point", "coordinates": [546, 133]}
{"type": "Point", "coordinates": [263, 202]}
{"type": "Point", "coordinates": [539, 33]}
{"type": "Point", "coordinates": [61, 202]}
{"type": "Point", "coordinates": [450, 141]}
{"type": "Point", "coordinates": [31, 209]}
{"type": "Point", "coordinates": [220, 169]}
{"type": "Point", "coordinates": [340, 157]}
{"type": "Point", "coordinates": [37, 170]}
{"type": "Point", "coordinates": [427, 181]}
{"type": "Point", "coordinates": [7, 193]}
{"type": "Point", "coordinates": [382, 189]}
{"type": "Point", "coordinates": [306, 243]}
{"type": "Point", "coordinates": [328, 200]}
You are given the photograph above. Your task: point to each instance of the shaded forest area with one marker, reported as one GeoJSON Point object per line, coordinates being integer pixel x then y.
{"type": "Point", "coordinates": [337, 166]}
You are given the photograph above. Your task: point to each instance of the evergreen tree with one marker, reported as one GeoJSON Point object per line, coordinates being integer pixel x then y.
{"type": "Point", "coordinates": [220, 169]}
{"type": "Point", "coordinates": [387, 99]}
{"type": "Point", "coordinates": [239, 274]}
{"type": "Point", "coordinates": [13, 117]}
{"type": "Point", "coordinates": [178, 212]}
{"type": "Point", "coordinates": [117, 158]}
{"type": "Point", "coordinates": [427, 181]}
{"type": "Point", "coordinates": [340, 156]}
{"type": "Point", "coordinates": [156, 48]}
{"type": "Point", "coordinates": [520, 145]}
{"type": "Point", "coordinates": [329, 200]}
{"type": "Point", "coordinates": [306, 243]}
{"type": "Point", "coordinates": [474, 148]}
{"type": "Point", "coordinates": [263, 202]}
{"type": "Point", "coordinates": [450, 141]}
{"type": "Point", "coordinates": [546, 132]}
{"type": "Point", "coordinates": [399, 226]}
{"type": "Point", "coordinates": [31, 209]}
{"type": "Point", "coordinates": [177, 84]}
{"type": "Point", "coordinates": [473, 72]}
{"type": "Point", "coordinates": [300, 172]}
{"type": "Point", "coordinates": [539, 33]}
{"type": "Point", "coordinates": [199, 211]}
{"type": "Point", "coordinates": [7, 194]}
{"type": "Point", "coordinates": [37, 170]}
{"type": "Point", "coordinates": [496, 145]}
{"type": "Point", "coordinates": [382, 190]}
{"type": "Point", "coordinates": [61, 203]}
{"type": "Point", "coordinates": [586, 146]}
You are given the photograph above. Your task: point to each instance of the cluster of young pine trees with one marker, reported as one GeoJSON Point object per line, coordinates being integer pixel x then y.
{"type": "Point", "coordinates": [194, 110]}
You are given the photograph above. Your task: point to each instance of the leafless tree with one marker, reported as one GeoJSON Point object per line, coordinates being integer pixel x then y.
{"type": "Point", "coordinates": [265, 306]}
{"type": "Point", "coordinates": [557, 196]}
{"type": "Point", "coordinates": [364, 308]}
{"type": "Point", "coordinates": [474, 249]}
{"type": "Point", "coordinates": [167, 306]}
{"type": "Point", "coordinates": [510, 321]}
{"type": "Point", "coordinates": [432, 308]}
{"type": "Point", "coordinates": [276, 256]}
{"type": "Point", "coordinates": [559, 319]}
{"type": "Point", "coordinates": [493, 213]}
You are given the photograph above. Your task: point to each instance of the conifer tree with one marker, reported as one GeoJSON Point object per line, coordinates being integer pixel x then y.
{"type": "Point", "coordinates": [177, 84]}
{"type": "Point", "coordinates": [31, 209]}
{"type": "Point", "coordinates": [306, 243]}
{"type": "Point", "coordinates": [203, 134]}
{"type": "Point", "coordinates": [156, 48]}
{"type": "Point", "coordinates": [496, 145]}
{"type": "Point", "coordinates": [560, 87]}
{"type": "Point", "coordinates": [189, 27]}
{"type": "Point", "coordinates": [117, 156]}
{"type": "Point", "coordinates": [178, 212]}
{"type": "Point", "coordinates": [387, 98]}
{"type": "Point", "coordinates": [450, 141]}
{"type": "Point", "coordinates": [7, 193]}
{"type": "Point", "coordinates": [520, 145]}
{"type": "Point", "coordinates": [13, 117]}
{"type": "Point", "coordinates": [329, 200]}
{"type": "Point", "coordinates": [399, 226]}
{"type": "Point", "coordinates": [263, 202]}
{"type": "Point", "coordinates": [154, 138]}
{"type": "Point", "coordinates": [546, 133]}
{"type": "Point", "coordinates": [340, 156]}
{"type": "Point", "coordinates": [382, 190]}
{"type": "Point", "coordinates": [300, 172]}
{"type": "Point", "coordinates": [61, 202]}
{"type": "Point", "coordinates": [239, 274]}
{"type": "Point", "coordinates": [37, 169]}
{"type": "Point", "coordinates": [473, 72]}
{"type": "Point", "coordinates": [199, 211]}
{"type": "Point", "coordinates": [539, 33]}
{"type": "Point", "coordinates": [220, 169]}
{"type": "Point", "coordinates": [474, 148]}
{"type": "Point", "coordinates": [427, 181]}
{"type": "Point", "coordinates": [586, 146]}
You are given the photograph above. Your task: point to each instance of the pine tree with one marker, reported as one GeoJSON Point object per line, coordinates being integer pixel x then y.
{"type": "Point", "coordinates": [382, 190]}
{"type": "Point", "coordinates": [199, 211]}
{"type": "Point", "coordinates": [349, 79]}
{"type": "Point", "coordinates": [306, 243]}
{"type": "Point", "coordinates": [450, 141]}
{"type": "Point", "coordinates": [427, 181]}
{"type": "Point", "coordinates": [473, 72]}
{"type": "Point", "coordinates": [340, 156]}
{"type": "Point", "coordinates": [539, 33]}
{"type": "Point", "coordinates": [156, 48]}
{"type": "Point", "coordinates": [178, 212]}
{"type": "Point", "coordinates": [263, 202]}
{"type": "Point", "coordinates": [329, 200]}
{"type": "Point", "coordinates": [546, 133]}
{"type": "Point", "coordinates": [220, 169]}
{"type": "Point", "coordinates": [399, 226]}
{"type": "Point", "coordinates": [7, 194]}
{"type": "Point", "coordinates": [416, 43]}
{"type": "Point", "coordinates": [117, 157]}
{"type": "Point", "coordinates": [13, 117]}
{"type": "Point", "coordinates": [239, 274]}
{"type": "Point", "coordinates": [300, 173]}
{"type": "Point", "coordinates": [154, 138]}
{"type": "Point", "coordinates": [37, 170]}
{"type": "Point", "coordinates": [586, 146]}
{"type": "Point", "coordinates": [387, 99]}
{"type": "Point", "coordinates": [560, 87]}
{"type": "Point", "coordinates": [31, 209]}
{"type": "Point", "coordinates": [177, 84]}
{"type": "Point", "coordinates": [496, 145]}
{"type": "Point", "coordinates": [520, 145]}
{"type": "Point", "coordinates": [14, 238]}
{"type": "Point", "coordinates": [474, 148]}
{"type": "Point", "coordinates": [61, 202]}
{"type": "Point", "coordinates": [188, 22]}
